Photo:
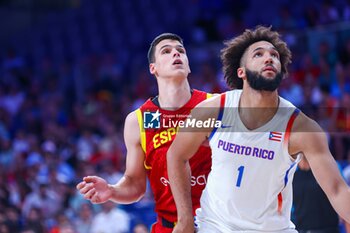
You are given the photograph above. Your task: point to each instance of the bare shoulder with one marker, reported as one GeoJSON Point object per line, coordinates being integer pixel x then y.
{"type": "Point", "coordinates": [306, 135]}
{"type": "Point", "coordinates": [131, 118]}
{"type": "Point", "coordinates": [131, 128]}
{"type": "Point", "coordinates": [304, 123]}
{"type": "Point", "coordinates": [208, 108]}
{"type": "Point", "coordinates": [213, 101]}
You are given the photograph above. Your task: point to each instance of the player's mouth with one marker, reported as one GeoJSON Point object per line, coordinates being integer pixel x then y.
{"type": "Point", "coordinates": [270, 69]}
{"type": "Point", "coordinates": [177, 62]}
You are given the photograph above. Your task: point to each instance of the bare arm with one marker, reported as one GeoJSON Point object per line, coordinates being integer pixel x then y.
{"type": "Point", "coordinates": [186, 143]}
{"type": "Point", "coordinates": [308, 138]}
{"type": "Point", "coordinates": [132, 185]}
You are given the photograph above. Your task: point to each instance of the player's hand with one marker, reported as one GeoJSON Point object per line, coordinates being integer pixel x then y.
{"type": "Point", "coordinates": [95, 189]}
{"type": "Point", "coordinates": [186, 226]}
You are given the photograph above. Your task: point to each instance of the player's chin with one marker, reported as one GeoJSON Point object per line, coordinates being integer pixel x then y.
{"type": "Point", "coordinates": [269, 76]}
{"type": "Point", "coordinates": [181, 72]}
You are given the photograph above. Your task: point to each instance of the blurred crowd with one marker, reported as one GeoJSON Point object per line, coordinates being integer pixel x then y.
{"type": "Point", "coordinates": [61, 120]}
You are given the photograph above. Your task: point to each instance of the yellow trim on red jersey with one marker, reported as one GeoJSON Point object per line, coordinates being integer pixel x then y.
{"type": "Point", "coordinates": [209, 95]}
{"type": "Point", "coordinates": [142, 131]}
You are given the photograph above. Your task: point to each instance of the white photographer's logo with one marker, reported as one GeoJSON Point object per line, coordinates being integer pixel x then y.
{"type": "Point", "coordinates": [151, 120]}
{"type": "Point", "coordinates": [191, 123]}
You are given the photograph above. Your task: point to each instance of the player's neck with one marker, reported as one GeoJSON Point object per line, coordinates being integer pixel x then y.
{"type": "Point", "coordinates": [251, 98]}
{"type": "Point", "coordinates": [256, 108]}
{"type": "Point", "coordinates": [173, 94]}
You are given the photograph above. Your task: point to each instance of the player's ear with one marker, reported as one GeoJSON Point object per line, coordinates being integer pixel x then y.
{"type": "Point", "coordinates": [241, 72]}
{"type": "Point", "coordinates": [152, 68]}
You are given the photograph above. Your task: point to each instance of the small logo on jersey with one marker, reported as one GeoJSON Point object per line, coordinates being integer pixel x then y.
{"type": "Point", "coordinates": [195, 180]}
{"type": "Point", "coordinates": [151, 120]}
{"type": "Point", "coordinates": [225, 126]}
{"type": "Point", "coordinates": [275, 136]}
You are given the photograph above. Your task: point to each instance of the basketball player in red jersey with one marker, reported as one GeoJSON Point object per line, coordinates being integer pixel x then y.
{"type": "Point", "coordinates": [149, 132]}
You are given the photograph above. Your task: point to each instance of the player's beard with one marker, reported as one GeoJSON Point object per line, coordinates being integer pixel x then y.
{"type": "Point", "coordinates": [260, 83]}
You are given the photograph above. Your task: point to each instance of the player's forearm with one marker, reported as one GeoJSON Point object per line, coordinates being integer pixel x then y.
{"type": "Point", "coordinates": [179, 176]}
{"type": "Point", "coordinates": [341, 202]}
{"type": "Point", "coordinates": [127, 190]}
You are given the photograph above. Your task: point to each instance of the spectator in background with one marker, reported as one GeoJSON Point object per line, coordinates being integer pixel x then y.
{"type": "Point", "coordinates": [4, 228]}
{"type": "Point", "coordinates": [329, 13]}
{"type": "Point", "coordinates": [13, 219]}
{"type": "Point", "coordinates": [62, 224]}
{"type": "Point", "coordinates": [43, 198]}
{"type": "Point", "coordinates": [34, 221]}
{"type": "Point", "coordinates": [140, 228]}
{"type": "Point", "coordinates": [84, 219]}
{"type": "Point", "coordinates": [4, 191]}
{"type": "Point", "coordinates": [28, 230]}
{"type": "Point", "coordinates": [110, 220]}
{"type": "Point", "coordinates": [344, 51]}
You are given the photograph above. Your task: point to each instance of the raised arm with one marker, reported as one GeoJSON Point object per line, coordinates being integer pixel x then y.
{"type": "Point", "coordinates": [307, 137]}
{"type": "Point", "coordinates": [184, 146]}
{"type": "Point", "coordinates": [132, 185]}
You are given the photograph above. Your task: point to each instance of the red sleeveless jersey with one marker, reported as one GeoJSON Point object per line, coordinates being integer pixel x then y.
{"type": "Point", "coordinates": [158, 129]}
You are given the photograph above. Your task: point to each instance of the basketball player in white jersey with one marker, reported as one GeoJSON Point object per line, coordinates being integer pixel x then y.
{"type": "Point", "coordinates": [255, 151]}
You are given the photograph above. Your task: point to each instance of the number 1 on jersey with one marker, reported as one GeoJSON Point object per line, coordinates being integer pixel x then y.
{"type": "Point", "coordinates": [240, 174]}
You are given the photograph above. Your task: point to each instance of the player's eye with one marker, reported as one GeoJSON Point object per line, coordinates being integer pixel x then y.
{"type": "Point", "coordinates": [165, 51]}
{"type": "Point", "coordinates": [275, 55]}
{"type": "Point", "coordinates": [258, 54]}
{"type": "Point", "coordinates": [181, 50]}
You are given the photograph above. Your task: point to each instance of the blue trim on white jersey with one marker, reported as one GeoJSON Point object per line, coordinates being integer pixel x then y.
{"type": "Point", "coordinates": [221, 113]}
{"type": "Point", "coordinates": [287, 172]}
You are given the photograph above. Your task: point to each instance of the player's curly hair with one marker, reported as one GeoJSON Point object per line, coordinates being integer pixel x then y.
{"type": "Point", "coordinates": [157, 40]}
{"type": "Point", "coordinates": [232, 54]}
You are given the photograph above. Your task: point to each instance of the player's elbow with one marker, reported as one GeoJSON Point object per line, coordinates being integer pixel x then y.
{"type": "Point", "coordinates": [138, 196]}
{"type": "Point", "coordinates": [132, 190]}
{"type": "Point", "coordinates": [339, 194]}
{"type": "Point", "coordinates": [139, 191]}
{"type": "Point", "coordinates": [173, 158]}
{"type": "Point", "coordinates": [135, 195]}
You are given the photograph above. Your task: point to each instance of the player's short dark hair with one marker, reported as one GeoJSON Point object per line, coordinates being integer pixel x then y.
{"type": "Point", "coordinates": [235, 48]}
{"type": "Point", "coordinates": [157, 40]}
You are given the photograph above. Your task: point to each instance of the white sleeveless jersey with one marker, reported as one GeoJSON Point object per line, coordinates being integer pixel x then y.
{"type": "Point", "coordinates": [249, 188]}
